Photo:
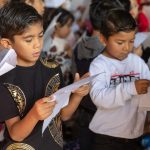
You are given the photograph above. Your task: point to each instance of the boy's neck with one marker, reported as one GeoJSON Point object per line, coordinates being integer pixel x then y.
{"type": "Point", "coordinates": [25, 64]}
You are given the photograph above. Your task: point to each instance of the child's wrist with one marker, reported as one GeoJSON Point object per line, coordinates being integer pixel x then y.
{"type": "Point", "coordinates": [77, 96]}
{"type": "Point", "coordinates": [33, 117]}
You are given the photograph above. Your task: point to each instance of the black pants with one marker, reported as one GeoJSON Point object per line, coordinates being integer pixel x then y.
{"type": "Point", "coordinates": [104, 142]}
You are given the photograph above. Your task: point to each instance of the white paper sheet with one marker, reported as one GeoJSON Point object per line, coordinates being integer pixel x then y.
{"type": "Point", "coordinates": [62, 97]}
{"type": "Point", "coordinates": [140, 37]}
{"type": "Point", "coordinates": [8, 60]}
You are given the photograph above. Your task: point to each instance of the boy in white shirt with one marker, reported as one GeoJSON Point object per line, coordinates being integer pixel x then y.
{"type": "Point", "coordinates": [118, 123]}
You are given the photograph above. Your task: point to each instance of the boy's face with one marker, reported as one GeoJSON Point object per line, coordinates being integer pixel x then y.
{"type": "Point", "coordinates": [28, 45]}
{"type": "Point", "coordinates": [119, 45]}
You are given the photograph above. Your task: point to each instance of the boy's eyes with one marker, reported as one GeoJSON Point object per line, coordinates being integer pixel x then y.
{"type": "Point", "coordinates": [41, 35]}
{"type": "Point", "coordinates": [121, 42]}
{"type": "Point", "coordinates": [132, 41]}
{"type": "Point", "coordinates": [28, 40]}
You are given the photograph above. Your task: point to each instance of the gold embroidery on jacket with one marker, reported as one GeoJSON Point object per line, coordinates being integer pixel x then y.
{"type": "Point", "coordinates": [48, 63]}
{"type": "Point", "coordinates": [19, 146]}
{"type": "Point", "coordinates": [55, 126]}
{"type": "Point", "coordinates": [18, 97]}
{"type": "Point", "coordinates": [52, 85]}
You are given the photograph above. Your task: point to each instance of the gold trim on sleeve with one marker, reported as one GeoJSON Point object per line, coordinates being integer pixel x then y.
{"type": "Point", "coordinates": [19, 146]}
{"type": "Point", "coordinates": [18, 97]}
{"type": "Point", "coordinates": [48, 63]}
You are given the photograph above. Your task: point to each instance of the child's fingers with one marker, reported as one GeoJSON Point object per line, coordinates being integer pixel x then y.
{"type": "Point", "coordinates": [49, 99]}
{"type": "Point", "coordinates": [77, 77]}
{"type": "Point", "coordinates": [85, 75]}
{"type": "Point", "coordinates": [49, 105]}
{"type": "Point", "coordinates": [82, 88]}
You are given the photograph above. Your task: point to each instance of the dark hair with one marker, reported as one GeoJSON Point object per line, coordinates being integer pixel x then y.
{"type": "Point", "coordinates": [16, 18]}
{"type": "Point", "coordinates": [117, 20]}
{"type": "Point", "coordinates": [126, 4]}
{"type": "Point", "coordinates": [100, 8]}
{"type": "Point", "coordinates": [64, 17]}
{"type": "Point", "coordinates": [22, 1]}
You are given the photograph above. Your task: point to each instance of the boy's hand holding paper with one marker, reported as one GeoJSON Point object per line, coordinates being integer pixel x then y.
{"type": "Point", "coordinates": [63, 95]}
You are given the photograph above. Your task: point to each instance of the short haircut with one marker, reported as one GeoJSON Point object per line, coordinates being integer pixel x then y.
{"type": "Point", "coordinates": [100, 8]}
{"type": "Point", "coordinates": [117, 20]}
{"type": "Point", "coordinates": [16, 18]}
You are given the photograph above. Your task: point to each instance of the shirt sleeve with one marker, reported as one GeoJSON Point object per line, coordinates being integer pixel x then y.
{"type": "Point", "coordinates": [106, 97]}
{"type": "Point", "coordinates": [8, 108]}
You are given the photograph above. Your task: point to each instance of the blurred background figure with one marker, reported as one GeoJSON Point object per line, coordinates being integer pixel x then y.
{"type": "Point", "coordinates": [142, 17]}
{"type": "Point", "coordinates": [58, 47]}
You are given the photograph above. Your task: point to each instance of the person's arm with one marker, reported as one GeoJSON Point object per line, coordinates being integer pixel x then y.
{"type": "Point", "coordinates": [75, 99]}
{"type": "Point", "coordinates": [19, 129]}
{"type": "Point", "coordinates": [103, 94]}
{"type": "Point", "coordinates": [106, 96]}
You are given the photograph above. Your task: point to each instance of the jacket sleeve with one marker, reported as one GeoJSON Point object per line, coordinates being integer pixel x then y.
{"type": "Point", "coordinates": [8, 108]}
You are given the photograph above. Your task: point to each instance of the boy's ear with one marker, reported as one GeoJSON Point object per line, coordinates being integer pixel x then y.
{"type": "Point", "coordinates": [5, 43]}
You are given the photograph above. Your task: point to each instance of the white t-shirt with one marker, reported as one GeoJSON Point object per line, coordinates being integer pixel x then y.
{"type": "Point", "coordinates": [115, 96]}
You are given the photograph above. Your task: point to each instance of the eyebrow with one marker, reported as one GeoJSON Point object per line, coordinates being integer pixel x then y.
{"type": "Point", "coordinates": [30, 36]}
{"type": "Point", "coordinates": [124, 39]}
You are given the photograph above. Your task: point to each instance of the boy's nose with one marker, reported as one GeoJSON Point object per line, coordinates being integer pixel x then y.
{"type": "Point", "coordinates": [126, 47]}
{"type": "Point", "coordinates": [37, 43]}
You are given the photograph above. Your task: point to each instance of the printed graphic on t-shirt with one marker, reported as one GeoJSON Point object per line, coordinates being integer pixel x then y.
{"type": "Point", "coordinates": [121, 78]}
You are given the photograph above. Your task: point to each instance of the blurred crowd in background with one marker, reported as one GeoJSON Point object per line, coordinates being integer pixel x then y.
{"type": "Point", "coordinates": [66, 24]}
